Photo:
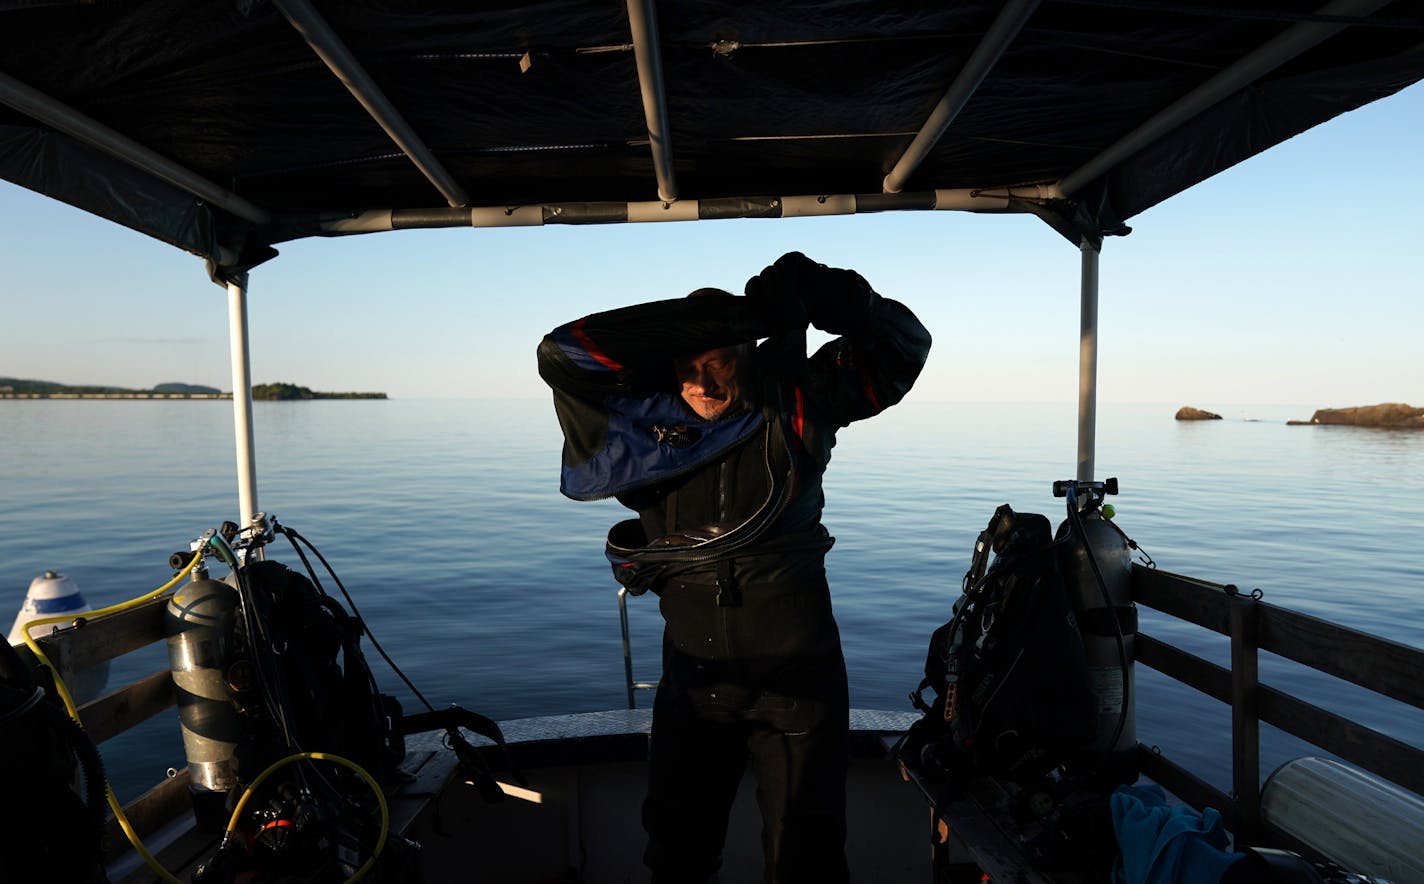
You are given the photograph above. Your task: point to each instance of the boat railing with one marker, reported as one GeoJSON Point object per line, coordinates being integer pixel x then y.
{"type": "Point", "coordinates": [1385, 667]}
{"type": "Point", "coordinates": [630, 684]}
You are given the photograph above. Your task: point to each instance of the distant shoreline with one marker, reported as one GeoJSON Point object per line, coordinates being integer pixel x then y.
{"type": "Point", "coordinates": [208, 396]}
{"type": "Point", "coordinates": [115, 395]}
{"type": "Point", "coordinates": [17, 388]}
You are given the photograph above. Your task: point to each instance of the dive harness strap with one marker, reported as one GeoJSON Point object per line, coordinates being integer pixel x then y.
{"type": "Point", "coordinates": [21, 707]}
{"type": "Point", "coordinates": [728, 596]}
{"type": "Point", "coordinates": [993, 538]}
{"type": "Point", "coordinates": [640, 567]}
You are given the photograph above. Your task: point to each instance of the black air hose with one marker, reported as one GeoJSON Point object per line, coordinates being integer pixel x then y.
{"type": "Point", "coordinates": [90, 761]}
{"type": "Point", "coordinates": [17, 677]}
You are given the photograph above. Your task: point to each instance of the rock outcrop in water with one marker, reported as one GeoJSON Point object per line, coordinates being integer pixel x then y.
{"type": "Point", "coordinates": [1187, 413]}
{"type": "Point", "coordinates": [1392, 415]}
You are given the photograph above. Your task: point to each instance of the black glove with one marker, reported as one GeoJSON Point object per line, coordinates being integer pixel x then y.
{"type": "Point", "coordinates": [840, 302]}
{"type": "Point", "coordinates": [835, 301]}
{"type": "Point", "coordinates": [775, 296]}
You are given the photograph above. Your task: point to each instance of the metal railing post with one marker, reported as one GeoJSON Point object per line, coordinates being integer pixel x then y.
{"type": "Point", "coordinates": [627, 644]}
{"type": "Point", "coordinates": [1245, 719]}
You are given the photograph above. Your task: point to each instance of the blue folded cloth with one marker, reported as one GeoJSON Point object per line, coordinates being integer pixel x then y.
{"type": "Point", "coordinates": [1160, 843]}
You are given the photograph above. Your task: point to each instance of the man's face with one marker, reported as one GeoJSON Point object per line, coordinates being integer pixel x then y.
{"type": "Point", "coordinates": [709, 381]}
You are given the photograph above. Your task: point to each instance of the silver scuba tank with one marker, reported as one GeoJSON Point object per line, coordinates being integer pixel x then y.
{"type": "Point", "coordinates": [1109, 665]}
{"type": "Point", "coordinates": [199, 624]}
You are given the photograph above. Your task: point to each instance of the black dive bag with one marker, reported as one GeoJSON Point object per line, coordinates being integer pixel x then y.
{"type": "Point", "coordinates": [1012, 696]}
{"type": "Point", "coordinates": [47, 832]}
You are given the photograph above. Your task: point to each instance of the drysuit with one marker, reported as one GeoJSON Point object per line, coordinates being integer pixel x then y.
{"type": "Point", "coordinates": [728, 534]}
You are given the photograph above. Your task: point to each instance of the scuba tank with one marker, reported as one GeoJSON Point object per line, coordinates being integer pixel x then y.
{"type": "Point", "coordinates": [199, 625]}
{"type": "Point", "coordinates": [1096, 564]}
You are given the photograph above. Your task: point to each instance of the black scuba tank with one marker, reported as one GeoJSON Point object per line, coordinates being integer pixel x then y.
{"type": "Point", "coordinates": [1107, 620]}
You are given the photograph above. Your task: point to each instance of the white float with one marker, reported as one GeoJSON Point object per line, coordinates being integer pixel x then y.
{"type": "Point", "coordinates": [53, 594]}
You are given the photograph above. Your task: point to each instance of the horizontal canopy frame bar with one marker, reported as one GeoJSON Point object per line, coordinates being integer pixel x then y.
{"type": "Point", "coordinates": [996, 200]}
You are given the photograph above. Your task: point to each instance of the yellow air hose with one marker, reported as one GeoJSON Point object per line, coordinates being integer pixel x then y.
{"type": "Point", "coordinates": [113, 799]}
{"type": "Point", "coordinates": [335, 759]}
{"type": "Point", "coordinates": [74, 710]}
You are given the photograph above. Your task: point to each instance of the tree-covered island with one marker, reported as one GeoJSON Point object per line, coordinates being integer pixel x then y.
{"type": "Point", "coordinates": [285, 392]}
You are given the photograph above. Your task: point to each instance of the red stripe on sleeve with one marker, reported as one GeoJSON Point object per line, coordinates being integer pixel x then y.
{"type": "Point", "coordinates": [799, 421]}
{"type": "Point", "coordinates": [867, 385]}
{"type": "Point", "coordinates": [593, 349]}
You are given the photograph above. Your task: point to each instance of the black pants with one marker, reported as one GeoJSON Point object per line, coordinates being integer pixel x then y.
{"type": "Point", "coordinates": [761, 681]}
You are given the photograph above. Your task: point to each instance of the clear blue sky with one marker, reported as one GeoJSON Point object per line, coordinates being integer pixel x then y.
{"type": "Point", "coordinates": [1293, 278]}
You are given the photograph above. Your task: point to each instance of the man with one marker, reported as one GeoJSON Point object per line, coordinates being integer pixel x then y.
{"type": "Point", "coordinates": [719, 446]}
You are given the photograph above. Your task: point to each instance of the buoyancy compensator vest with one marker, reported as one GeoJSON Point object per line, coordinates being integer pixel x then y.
{"type": "Point", "coordinates": [1012, 696]}
{"type": "Point", "coordinates": [331, 701]}
{"type": "Point", "coordinates": [47, 832]}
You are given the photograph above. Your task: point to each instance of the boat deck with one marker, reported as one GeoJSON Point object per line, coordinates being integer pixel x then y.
{"type": "Point", "coordinates": [589, 773]}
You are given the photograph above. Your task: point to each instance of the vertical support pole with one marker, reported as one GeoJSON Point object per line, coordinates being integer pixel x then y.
{"type": "Point", "coordinates": [1088, 364]}
{"type": "Point", "coordinates": [1245, 720]}
{"type": "Point", "coordinates": [242, 399]}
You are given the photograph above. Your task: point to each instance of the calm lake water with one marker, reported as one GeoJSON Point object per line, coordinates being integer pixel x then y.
{"type": "Point", "coordinates": [444, 520]}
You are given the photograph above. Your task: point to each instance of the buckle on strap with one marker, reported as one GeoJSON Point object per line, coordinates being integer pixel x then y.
{"type": "Point", "coordinates": [728, 595]}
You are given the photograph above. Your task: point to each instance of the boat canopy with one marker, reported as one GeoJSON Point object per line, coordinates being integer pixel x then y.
{"type": "Point", "coordinates": [229, 126]}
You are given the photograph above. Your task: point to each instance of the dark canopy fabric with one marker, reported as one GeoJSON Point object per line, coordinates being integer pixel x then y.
{"type": "Point", "coordinates": [538, 103]}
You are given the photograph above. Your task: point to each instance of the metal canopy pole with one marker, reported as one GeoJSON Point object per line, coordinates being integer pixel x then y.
{"type": "Point", "coordinates": [1012, 18]}
{"type": "Point", "coordinates": [643, 22]}
{"type": "Point", "coordinates": [338, 58]}
{"type": "Point", "coordinates": [34, 103]}
{"type": "Point", "coordinates": [242, 400]}
{"type": "Point", "coordinates": [1088, 364]}
{"type": "Point", "coordinates": [1296, 40]}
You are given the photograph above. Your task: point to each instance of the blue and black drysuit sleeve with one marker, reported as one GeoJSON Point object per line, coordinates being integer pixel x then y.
{"type": "Point", "coordinates": [631, 349]}
{"type": "Point", "coordinates": [605, 361]}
